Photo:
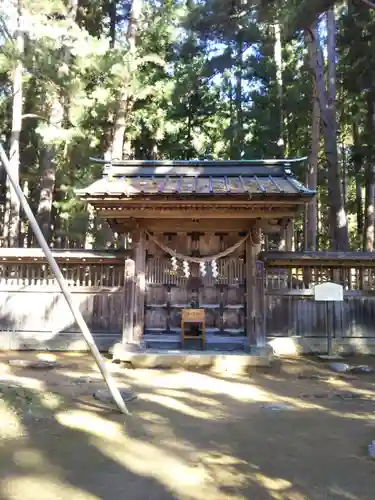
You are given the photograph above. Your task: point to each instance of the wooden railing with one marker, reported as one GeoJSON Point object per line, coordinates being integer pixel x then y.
{"type": "Point", "coordinates": [33, 312]}
{"type": "Point", "coordinates": [290, 309]}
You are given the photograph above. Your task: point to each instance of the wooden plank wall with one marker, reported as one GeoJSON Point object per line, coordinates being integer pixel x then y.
{"type": "Point", "coordinates": [290, 308]}
{"type": "Point", "coordinates": [34, 314]}
{"type": "Point", "coordinates": [167, 291]}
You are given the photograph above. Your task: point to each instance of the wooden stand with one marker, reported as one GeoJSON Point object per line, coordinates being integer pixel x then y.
{"type": "Point", "coordinates": [195, 316]}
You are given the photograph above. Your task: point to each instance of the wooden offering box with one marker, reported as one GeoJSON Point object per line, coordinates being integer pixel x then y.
{"type": "Point", "coordinates": [191, 317]}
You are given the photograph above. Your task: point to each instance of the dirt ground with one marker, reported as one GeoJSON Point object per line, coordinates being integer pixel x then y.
{"type": "Point", "coordinates": [191, 436]}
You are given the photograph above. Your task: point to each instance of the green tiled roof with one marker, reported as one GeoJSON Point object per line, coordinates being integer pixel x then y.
{"type": "Point", "coordinates": [197, 178]}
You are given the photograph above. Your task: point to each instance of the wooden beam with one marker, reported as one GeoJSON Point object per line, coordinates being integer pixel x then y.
{"type": "Point", "coordinates": [269, 226]}
{"type": "Point", "coordinates": [202, 213]}
{"type": "Point", "coordinates": [315, 258]}
{"type": "Point", "coordinates": [36, 255]}
{"type": "Point", "coordinates": [193, 201]}
{"type": "Point", "coordinates": [139, 242]}
{"type": "Point", "coordinates": [187, 225]}
{"type": "Point", "coordinates": [116, 226]}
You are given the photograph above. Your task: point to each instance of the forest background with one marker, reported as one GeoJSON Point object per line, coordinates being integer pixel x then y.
{"type": "Point", "coordinates": [187, 79]}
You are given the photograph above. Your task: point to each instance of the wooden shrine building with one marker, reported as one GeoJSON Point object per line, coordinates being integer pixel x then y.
{"type": "Point", "coordinates": [196, 230]}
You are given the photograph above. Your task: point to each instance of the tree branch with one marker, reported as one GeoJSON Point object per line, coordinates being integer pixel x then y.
{"type": "Point", "coordinates": [40, 117]}
{"type": "Point", "coordinates": [369, 3]}
{"type": "Point", "coordinates": [33, 115]}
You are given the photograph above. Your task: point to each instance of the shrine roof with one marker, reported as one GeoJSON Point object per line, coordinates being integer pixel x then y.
{"type": "Point", "coordinates": [134, 178]}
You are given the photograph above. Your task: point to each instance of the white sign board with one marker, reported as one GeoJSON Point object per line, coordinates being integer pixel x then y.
{"type": "Point", "coordinates": [329, 292]}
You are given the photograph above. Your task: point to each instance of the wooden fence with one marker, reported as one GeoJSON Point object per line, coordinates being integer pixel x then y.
{"type": "Point", "coordinates": [33, 311]}
{"type": "Point", "coordinates": [290, 309]}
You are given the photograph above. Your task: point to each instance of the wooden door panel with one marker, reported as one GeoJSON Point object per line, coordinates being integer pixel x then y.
{"type": "Point", "coordinates": [156, 319]}
{"type": "Point", "coordinates": [156, 295]}
{"type": "Point", "coordinates": [212, 318]}
{"type": "Point", "coordinates": [233, 319]}
{"type": "Point", "coordinates": [209, 295]}
{"type": "Point", "coordinates": [180, 297]}
{"type": "Point", "coordinates": [233, 296]}
{"type": "Point", "coordinates": [175, 318]}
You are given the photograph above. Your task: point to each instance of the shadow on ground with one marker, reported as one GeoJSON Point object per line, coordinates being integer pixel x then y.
{"type": "Point", "coordinates": [191, 436]}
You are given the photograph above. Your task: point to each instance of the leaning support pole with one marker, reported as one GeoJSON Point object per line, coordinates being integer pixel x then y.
{"type": "Point", "coordinates": [64, 287]}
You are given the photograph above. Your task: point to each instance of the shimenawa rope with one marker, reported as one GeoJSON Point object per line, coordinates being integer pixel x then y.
{"type": "Point", "coordinates": [198, 260]}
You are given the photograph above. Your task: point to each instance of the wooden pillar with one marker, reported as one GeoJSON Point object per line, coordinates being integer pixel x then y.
{"type": "Point", "coordinates": [289, 244]}
{"type": "Point", "coordinates": [139, 241]}
{"type": "Point", "coordinates": [254, 293]}
{"type": "Point", "coordinates": [289, 236]}
{"type": "Point", "coordinates": [129, 297]}
{"type": "Point", "coordinates": [282, 242]}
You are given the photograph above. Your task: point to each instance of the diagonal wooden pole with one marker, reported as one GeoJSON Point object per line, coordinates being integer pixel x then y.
{"type": "Point", "coordinates": [115, 393]}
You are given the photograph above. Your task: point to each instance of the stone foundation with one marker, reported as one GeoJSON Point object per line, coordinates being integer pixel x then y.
{"type": "Point", "coordinates": [295, 346]}
{"type": "Point", "coordinates": [218, 361]}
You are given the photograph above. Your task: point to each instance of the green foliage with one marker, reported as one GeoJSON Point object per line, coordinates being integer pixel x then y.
{"type": "Point", "coordinates": [202, 83]}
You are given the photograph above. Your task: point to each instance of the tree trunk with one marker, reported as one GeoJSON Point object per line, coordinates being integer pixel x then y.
{"type": "Point", "coordinates": [232, 138]}
{"type": "Point", "coordinates": [278, 56]}
{"type": "Point", "coordinates": [12, 208]}
{"type": "Point", "coordinates": [120, 143]}
{"type": "Point", "coordinates": [50, 151]}
{"type": "Point", "coordinates": [112, 12]}
{"type": "Point", "coordinates": [338, 228]}
{"type": "Point", "coordinates": [189, 128]}
{"type": "Point", "coordinates": [238, 142]}
{"type": "Point", "coordinates": [368, 243]}
{"type": "Point", "coordinates": [90, 231]}
{"type": "Point", "coordinates": [48, 172]}
{"type": "Point", "coordinates": [312, 176]}
{"type": "Point", "coordinates": [358, 165]}
{"type": "Point", "coordinates": [24, 222]}
{"type": "Point", "coordinates": [120, 127]}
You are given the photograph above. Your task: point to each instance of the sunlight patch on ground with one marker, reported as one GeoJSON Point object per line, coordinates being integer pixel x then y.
{"type": "Point", "coordinates": [153, 418]}
{"type": "Point", "coordinates": [50, 400]}
{"type": "Point", "coordinates": [337, 382]}
{"type": "Point", "coordinates": [27, 382]}
{"type": "Point", "coordinates": [200, 382]}
{"type": "Point", "coordinates": [279, 489]}
{"type": "Point", "coordinates": [190, 481]}
{"type": "Point", "coordinates": [350, 415]}
{"type": "Point", "coordinates": [340, 493]}
{"type": "Point", "coordinates": [189, 478]}
{"type": "Point", "coordinates": [5, 368]}
{"type": "Point", "coordinates": [224, 469]}
{"type": "Point", "coordinates": [179, 383]}
{"type": "Point", "coordinates": [220, 459]}
{"type": "Point", "coordinates": [46, 356]}
{"type": "Point", "coordinates": [29, 458]}
{"type": "Point", "coordinates": [75, 374]}
{"type": "Point", "coordinates": [90, 423]}
{"type": "Point", "coordinates": [10, 425]}
{"type": "Point", "coordinates": [191, 397]}
{"type": "Point", "coordinates": [175, 404]}
{"type": "Point", "coordinates": [207, 385]}
{"type": "Point", "coordinates": [34, 487]}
